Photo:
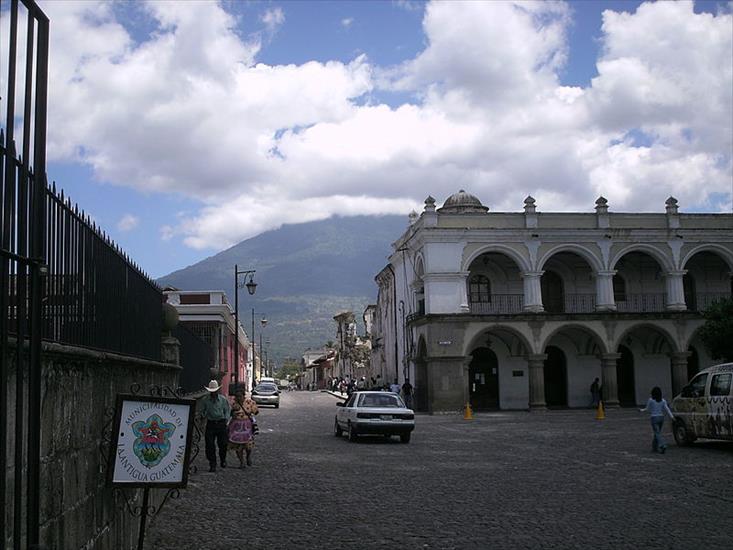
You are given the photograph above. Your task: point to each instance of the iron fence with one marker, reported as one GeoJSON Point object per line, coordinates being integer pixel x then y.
{"type": "Point", "coordinates": [499, 304]}
{"type": "Point", "coordinates": [95, 296]}
{"type": "Point", "coordinates": [642, 303]}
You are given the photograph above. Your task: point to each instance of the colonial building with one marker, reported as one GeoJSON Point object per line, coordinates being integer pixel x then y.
{"type": "Point", "coordinates": [210, 317]}
{"type": "Point", "coordinates": [523, 310]}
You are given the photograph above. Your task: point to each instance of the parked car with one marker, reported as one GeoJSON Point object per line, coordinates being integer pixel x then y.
{"type": "Point", "coordinates": [267, 379]}
{"type": "Point", "coordinates": [704, 407]}
{"type": "Point", "coordinates": [266, 393]}
{"type": "Point", "coordinates": [374, 412]}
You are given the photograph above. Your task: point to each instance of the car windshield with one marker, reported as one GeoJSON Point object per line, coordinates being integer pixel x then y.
{"type": "Point", "coordinates": [381, 400]}
{"type": "Point", "coordinates": [266, 387]}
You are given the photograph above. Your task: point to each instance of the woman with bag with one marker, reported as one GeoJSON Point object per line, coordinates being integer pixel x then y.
{"type": "Point", "coordinates": [243, 428]}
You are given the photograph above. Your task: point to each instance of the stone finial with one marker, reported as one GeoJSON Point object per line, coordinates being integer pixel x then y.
{"type": "Point", "coordinates": [672, 207]}
{"type": "Point", "coordinates": [413, 216]}
{"type": "Point", "coordinates": [673, 217]}
{"type": "Point", "coordinates": [430, 204]}
{"type": "Point", "coordinates": [529, 204]}
{"type": "Point", "coordinates": [602, 213]}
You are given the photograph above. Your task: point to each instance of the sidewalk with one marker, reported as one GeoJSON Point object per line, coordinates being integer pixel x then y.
{"type": "Point", "coordinates": [335, 394]}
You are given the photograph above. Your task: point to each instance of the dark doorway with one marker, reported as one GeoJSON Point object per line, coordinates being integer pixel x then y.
{"type": "Point", "coordinates": [625, 377]}
{"type": "Point", "coordinates": [421, 386]}
{"type": "Point", "coordinates": [556, 379]}
{"type": "Point", "coordinates": [693, 363]}
{"type": "Point", "coordinates": [483, 380]}
{"type": "Point", "coordinates": [553, 292]}
{"type": "Point", "coordinates": [688, 286]}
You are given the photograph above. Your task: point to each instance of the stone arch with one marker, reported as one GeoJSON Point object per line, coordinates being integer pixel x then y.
{"type": "Point", "coordinates": [577, 327]}
{"type": "Point", "coordinates": [663, 258]}
{"type": "Point", "coordinates": [669, 338]}
{"type": "Point", "coordinates": [595, 263]}
{"type": "Point", "coordinates": [500, 332]}
{"type": "Point", "coordinates": [725, 254]}
{"type": "Point", "coordinates": [522, 262]}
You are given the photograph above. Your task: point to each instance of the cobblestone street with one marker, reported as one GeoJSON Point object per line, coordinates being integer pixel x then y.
{"type": "Point", "coordinates": [559, 479]}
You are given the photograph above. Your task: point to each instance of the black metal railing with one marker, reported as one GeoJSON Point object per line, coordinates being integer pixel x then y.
{"type": "Point", "coordinates": [95, 296]}
{"type": "Point", "coordinates": [580, 303]}
{"type": "Point", "coordinates": [499, 304]}
{"type": "Point", "coordinates": [703, 300]}
{"type": "Point", "coordinates": [642, 303]}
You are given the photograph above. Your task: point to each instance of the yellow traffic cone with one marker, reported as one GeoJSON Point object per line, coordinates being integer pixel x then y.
{"type": "Point", "coordinates": [467, 412]}
{"type": "Point", "coordinates": [600, 415]}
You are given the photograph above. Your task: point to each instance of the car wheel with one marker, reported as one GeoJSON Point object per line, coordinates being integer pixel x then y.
{"type": "Point", "coordinates": [682, 435]}
{"type": "Point", "coordinates": [352, 432]}
{"type": "Point", "coordinates": [405, 438]}
{"type": "Point", "coordinates": [337, 431]}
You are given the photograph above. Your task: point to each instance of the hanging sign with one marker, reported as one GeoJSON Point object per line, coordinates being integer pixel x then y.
{"type": "Point", "coordinates": [152, 442]}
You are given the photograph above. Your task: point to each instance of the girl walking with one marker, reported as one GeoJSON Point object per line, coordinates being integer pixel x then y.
{"type": "Point", "coordinates": [657, 407]}
{"type": "Point", "coordinates": [243, 428]}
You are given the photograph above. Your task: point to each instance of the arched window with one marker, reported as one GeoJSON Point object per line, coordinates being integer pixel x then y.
{"type": "Point", "coordinates": [619, 288]}
{"type": "Point", "coordinates": [479, 290]}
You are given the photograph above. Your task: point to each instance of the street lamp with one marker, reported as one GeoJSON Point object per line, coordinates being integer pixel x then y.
{"type": "Point", "coordinates": [263, 322]}
{"type": "Point", "coordinates": [251, 286]}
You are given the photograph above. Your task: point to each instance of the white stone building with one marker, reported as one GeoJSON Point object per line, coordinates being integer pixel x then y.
{"type": "Point", "coordinates": [523, 310]}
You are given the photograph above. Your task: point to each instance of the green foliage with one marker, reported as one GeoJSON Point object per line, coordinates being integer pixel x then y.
{"type": "Point", "coordinates": [717, 332]}
{"type": "Point", "coordinates": [289, 369]}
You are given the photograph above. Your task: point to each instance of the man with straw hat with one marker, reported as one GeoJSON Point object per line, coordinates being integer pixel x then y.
{"type": "Point", "coordinates": [216, 411]}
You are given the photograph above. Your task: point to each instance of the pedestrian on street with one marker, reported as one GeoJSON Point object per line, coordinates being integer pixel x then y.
{"type": "Point", "coordinates": [595, 393]}
{"type": "Point", "coordinates": [407, 393]}
{"type": "Point", "coordinates": [657, 407]}
{"type": "Point", "coordinates": [216, 411]}
{"type": "Point", "coordinates": [395, 388]}
{"type": "Point", "coordinates": [242, 427]}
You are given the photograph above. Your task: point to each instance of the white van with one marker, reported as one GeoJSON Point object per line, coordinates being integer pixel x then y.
{"type": "Point", "coordinates": [704, 408]}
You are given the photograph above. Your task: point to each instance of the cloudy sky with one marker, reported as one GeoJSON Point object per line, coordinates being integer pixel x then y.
{"type": "Point", "coordinates": [185, 127]}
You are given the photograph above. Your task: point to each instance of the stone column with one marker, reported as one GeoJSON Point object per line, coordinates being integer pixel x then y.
{"type": "Point", "coordinates": [609, 382]}
{"type": "Point", "coordinates": [536, 364]}
{"type": "Point", "coordinates": [679, 370]}
{"type": "Point", "coordinates": [464, 307]}
{"type": "Point", "coordinates": [532, 292]}
{"type": "Point", "coordinates": [675, 290]}
{"type": "Point", "coordinates": [604, 291]}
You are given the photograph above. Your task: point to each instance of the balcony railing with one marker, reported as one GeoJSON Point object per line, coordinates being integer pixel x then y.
{"type": "Point", "coordinates": [500, 303]}
{"type": "Point", "coordinates": [642, 303]}
{"type": "Point", "coordinates": [704, 300]}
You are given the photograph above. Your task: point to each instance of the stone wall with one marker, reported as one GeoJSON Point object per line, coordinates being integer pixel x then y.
{"type": "Point", "coordinates": [77, 509]}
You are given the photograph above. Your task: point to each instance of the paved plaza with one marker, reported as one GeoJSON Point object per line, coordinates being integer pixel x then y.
{"type": "Point", "coordinates": [558, 479]}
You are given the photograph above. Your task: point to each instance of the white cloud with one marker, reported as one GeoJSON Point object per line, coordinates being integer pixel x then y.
{"type": "Point", "coordinates": [128, 222]}
{"type": "Point", "coordinates": [347, 22]}
{"type": "Point", "coordinates": [190, 110]}
{"type": "Point", "coordinates": [273, 18]}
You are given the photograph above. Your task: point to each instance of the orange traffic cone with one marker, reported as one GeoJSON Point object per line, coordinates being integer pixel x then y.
{"type": "Point", "coordinates": [467, 412]}
{"type": "Point", "coordinates": [600, 415]}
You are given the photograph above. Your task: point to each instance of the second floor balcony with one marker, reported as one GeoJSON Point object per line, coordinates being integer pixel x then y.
{"type": "Point", "coordinates": [503, 304]}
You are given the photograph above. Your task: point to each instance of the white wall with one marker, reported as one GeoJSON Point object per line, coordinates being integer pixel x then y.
{"type": "Point", "coordinates": [650, 371]}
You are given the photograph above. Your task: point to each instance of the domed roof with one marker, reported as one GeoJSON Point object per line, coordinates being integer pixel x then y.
{"type": "Point", "coordinates": [462, 203]}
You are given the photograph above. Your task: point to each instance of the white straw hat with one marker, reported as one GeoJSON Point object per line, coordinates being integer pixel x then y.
{"type": "Point", "coordinates": [213, 386]}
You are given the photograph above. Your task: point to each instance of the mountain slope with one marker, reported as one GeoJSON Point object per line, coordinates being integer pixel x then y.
{"type": "Point", "coordinates": [306, 273]}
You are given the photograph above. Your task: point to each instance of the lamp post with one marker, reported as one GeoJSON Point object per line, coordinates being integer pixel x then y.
{"type": "Point", "coordinates": [249, 283]}
{"type": "Point", "coordinates": [263, 322]}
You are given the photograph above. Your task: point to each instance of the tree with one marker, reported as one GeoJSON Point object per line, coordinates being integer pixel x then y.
{"type": "Point", "coordinates": [289, 368]}
{"type": "Point", "coordinates": [717, 332]}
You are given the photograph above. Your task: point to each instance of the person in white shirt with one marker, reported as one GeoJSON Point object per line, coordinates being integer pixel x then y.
{"type": "Point", "coordinates": [657, 407]}
{"type": "Point", "coordinates": [395, 387]}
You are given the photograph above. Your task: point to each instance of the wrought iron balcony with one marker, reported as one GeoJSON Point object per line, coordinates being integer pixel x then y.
{"type": "Point", "coordinates": [642, 303]}
{"type": "Point", "coordinates": [499, 304]}
{"type": "Point", "coordinates": [703, 300]}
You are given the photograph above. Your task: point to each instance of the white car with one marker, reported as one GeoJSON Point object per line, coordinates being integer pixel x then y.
{"type": "Point", "coordinates": [374, 412]}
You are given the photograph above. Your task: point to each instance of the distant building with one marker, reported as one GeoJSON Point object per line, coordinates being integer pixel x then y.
{"type": "Point", "coordinates": [353, 351]}
{"type": "Point", "coordinates": [318, 368]}
{"type": "Point", "coordinates": [523, 310]}
{"type": "Point", "coordinates": [209, 316]}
